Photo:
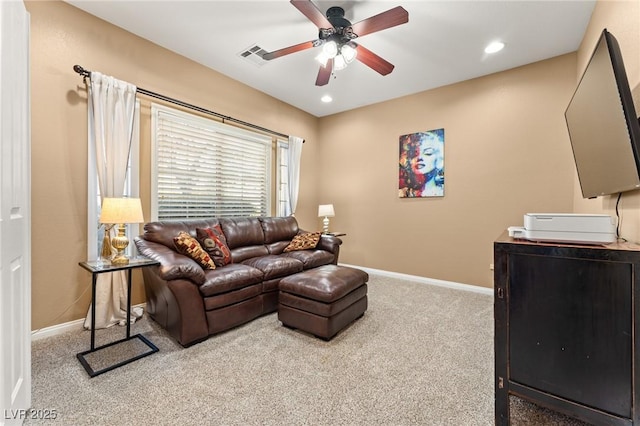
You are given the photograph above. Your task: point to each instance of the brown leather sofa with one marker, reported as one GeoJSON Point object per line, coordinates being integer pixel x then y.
{"type": "Point", "coordinates": [192, 303]}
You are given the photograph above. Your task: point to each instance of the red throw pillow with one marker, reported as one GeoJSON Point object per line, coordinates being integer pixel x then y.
{"type": "Point", "coordinates": [215, 243]}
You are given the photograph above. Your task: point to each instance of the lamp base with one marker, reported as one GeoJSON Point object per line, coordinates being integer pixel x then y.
{"type": "Point", "coordinates": [120, 260]}
{"type": "Point", "coordinates": [120, 243]}
{"type": "Point", "coordinates": [325, 225]}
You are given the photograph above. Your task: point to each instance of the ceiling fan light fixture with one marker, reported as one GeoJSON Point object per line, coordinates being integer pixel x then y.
{"type": "Point", "coordinates": [330, 49]}
{"type": "Point", "coordinates": [348, 53]}
{"type": "Point", "coordinates": [326, 99]}
{"type": "Point", "coordinates": [339, 63]}
{"type": "Point", "coordinates": [322, 58]}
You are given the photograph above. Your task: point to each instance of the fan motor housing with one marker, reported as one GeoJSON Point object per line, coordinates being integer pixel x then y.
{"type": "Point", "coordinates": [335, 15]}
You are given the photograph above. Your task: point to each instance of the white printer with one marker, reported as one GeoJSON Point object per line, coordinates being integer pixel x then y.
{"type": "Point", "coordinates": [566, 228]}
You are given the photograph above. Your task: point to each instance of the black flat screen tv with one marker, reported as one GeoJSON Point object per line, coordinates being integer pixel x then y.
{"type": "Point", "coordinates": [603, 126]}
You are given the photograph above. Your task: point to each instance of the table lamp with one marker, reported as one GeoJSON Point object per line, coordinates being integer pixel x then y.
{"type": "Point", "coordinates": [119, 211]}
{"type": "Point", "coordinates": [325, 210]}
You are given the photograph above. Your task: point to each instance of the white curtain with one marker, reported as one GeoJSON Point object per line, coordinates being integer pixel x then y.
{"type": "Point", "coordinates": [111, 116]}
{"type": "Point", "coordinates": [293, 167]}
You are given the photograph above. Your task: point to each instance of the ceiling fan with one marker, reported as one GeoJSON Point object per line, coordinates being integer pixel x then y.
{"type": "Point", "coordinates": [336, 35]}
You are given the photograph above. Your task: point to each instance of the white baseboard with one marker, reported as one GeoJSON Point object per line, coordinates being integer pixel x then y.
{"type": "Point", "coordinates": [424, 280]}
{"type": "Point", "coordinates": [57, 329]}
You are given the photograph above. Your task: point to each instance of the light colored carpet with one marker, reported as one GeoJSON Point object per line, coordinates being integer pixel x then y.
{"type": "Point", "coordinates": [421, 355]}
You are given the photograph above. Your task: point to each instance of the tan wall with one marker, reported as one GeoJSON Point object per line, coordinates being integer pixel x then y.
{"type": "Point", "coordinates": [622, 19]}
{"type": "Point", "coordinates": [507, 153]}
{"type": "Point", "coordinates": [62, 36]}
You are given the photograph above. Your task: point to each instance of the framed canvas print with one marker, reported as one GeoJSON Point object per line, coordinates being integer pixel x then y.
{"type": "Point", "coordinates": [421, 164]}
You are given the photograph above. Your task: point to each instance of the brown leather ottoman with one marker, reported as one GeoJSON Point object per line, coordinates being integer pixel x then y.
{"type": "Point", "coordinates": [324, 300]}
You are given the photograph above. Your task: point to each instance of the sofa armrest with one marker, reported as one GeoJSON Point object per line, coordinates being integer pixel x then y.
{"type": "Point", "coordinates": [173, 265]}
{"type": "Point", "coordinates": [176, 305]}
{"type": "Point", "coordinates": [329, 243]}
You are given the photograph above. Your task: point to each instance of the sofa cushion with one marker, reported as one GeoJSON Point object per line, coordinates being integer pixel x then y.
{"type": "Point", "coordinates": [240, 254]}
{"type": "Point", "coordinates": [242, 232]}
{"type": "Point", "coordinates": [189, 246]}
{"type": "Point", "coordinates": [214, 242]}
{"type": "Point", "coordinates": [324, 284]}
{"type": "Point", "coordinates": [305, 241]}
{"type": "Point", "coordinates": [275, 266]}
{"type": "Point", "coordinates": [277, 247]}
{"type": "Point", "coordinates": [229, 277]}
{"type": "Point", "coordinates": [279, 228]}
{"type": "Point", "coordinates": [311, 258]}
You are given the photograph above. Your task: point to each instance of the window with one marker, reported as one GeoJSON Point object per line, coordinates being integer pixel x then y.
{"type": "Point", "coordinates": [203, 168]}
{"type": "Point", "coordinates": [95, 232]}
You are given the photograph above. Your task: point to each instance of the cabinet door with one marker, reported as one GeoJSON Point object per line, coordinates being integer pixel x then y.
{"type": "Point", "coordinates": [570, 329]}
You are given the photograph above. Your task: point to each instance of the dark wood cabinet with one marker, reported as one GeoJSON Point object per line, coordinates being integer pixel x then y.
{"type": "Point", "coordinates": [566, 329]}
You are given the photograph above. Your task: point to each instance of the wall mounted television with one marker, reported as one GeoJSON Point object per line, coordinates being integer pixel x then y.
{"type": "Point", "coordinates": [603, 126]}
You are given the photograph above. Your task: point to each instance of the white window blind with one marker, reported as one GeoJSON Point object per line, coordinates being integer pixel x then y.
{"type": "Point", "coordinates": [203, 168]}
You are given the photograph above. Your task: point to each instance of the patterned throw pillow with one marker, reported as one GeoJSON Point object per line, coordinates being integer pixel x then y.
{"type": "Point", "coordinates": [304, 241]}
{"type": "Point", "coordinates": [189, 246]}
{"type": "Point", "coordinates": [215, 243]}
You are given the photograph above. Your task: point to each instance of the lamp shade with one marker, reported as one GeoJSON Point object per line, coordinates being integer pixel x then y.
{"type": "Point", "coordinates": [121, 210]}
{"type": "Point", "coordinates": [326, 210]}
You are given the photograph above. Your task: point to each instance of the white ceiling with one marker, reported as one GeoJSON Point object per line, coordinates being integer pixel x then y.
{"type": "Point", "coordinates": [441, 44]}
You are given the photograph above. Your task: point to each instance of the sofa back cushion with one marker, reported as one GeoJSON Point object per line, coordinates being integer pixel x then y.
{"type": "Point", "coordinates": [164, 232]}
{"type": "Point", "coordinates": [278, 232]}
{"type": "Point", "coordinates": [279, 228]}
{"type": "Point", "coordinates": [245, 237]}
{"type": "Point", "coordinates": [242, 232]}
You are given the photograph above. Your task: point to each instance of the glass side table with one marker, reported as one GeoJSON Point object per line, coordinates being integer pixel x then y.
{"type": "Point", "coordinates": [100, 267]}
{"type": "Point", "coordinates": [336, 234]}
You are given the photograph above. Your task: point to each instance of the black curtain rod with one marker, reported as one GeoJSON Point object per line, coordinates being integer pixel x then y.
{"type": "Point", "coordinates": [86, 73]}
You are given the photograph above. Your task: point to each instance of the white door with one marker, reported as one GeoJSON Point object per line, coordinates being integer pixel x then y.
{"type": "Point", "coordinates": [15, 214]}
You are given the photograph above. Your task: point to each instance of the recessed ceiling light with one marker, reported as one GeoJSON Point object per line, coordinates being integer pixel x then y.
{"type": "Point", "coordinates": [326, 99]}
{"type": "Point", "coordinates": [494, 47]}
